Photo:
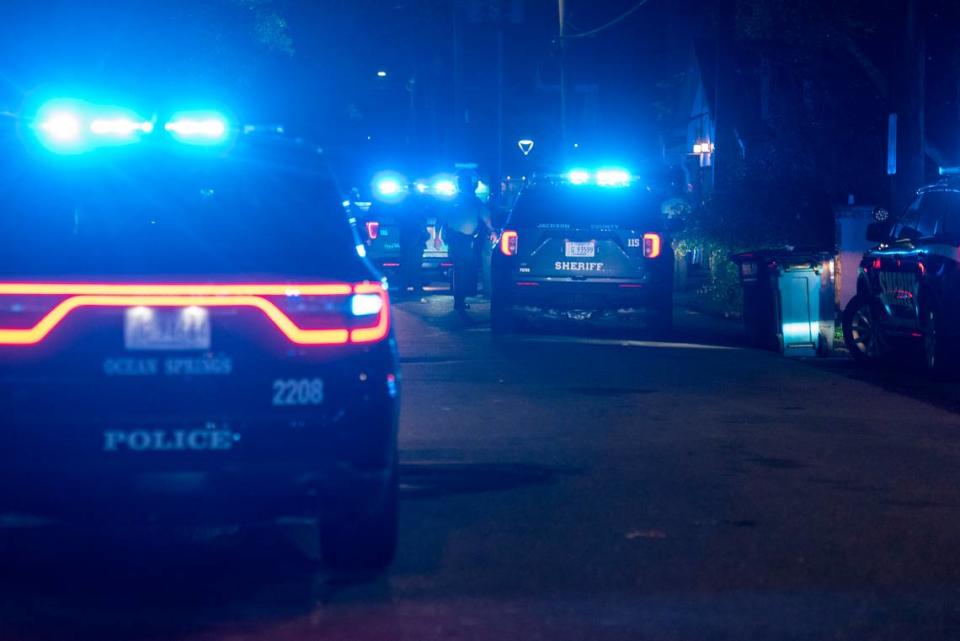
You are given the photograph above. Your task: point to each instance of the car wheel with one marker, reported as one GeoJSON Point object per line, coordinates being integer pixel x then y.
{"type": "Point", "coordinates": [934, 345]}
{"type": "Point", "coordinates": [861, 331]}
{"type": "Point", "coordinates": [502, 320]}
{"type": "Point", "coordinates": [357, 538]}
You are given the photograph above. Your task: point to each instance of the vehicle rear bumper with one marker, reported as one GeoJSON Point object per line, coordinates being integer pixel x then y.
{"type": "Point", "coordinates": [587, 299]}
{"type": "Point", "coordinates": [250, 493]}
{"type": "Point", "coordinates": [272, 467]}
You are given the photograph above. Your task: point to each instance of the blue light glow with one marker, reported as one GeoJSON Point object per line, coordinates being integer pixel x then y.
{"type": "Point", "coordinates": [613, 177]}
{"type": "Point", "coordinates": [444, 188]}
{"type": "Point", "coordinates": [578, 176]}
{"type": "Point", "coordinates": [61, 127]}
{"type": "Point", "coordinates": [199, 128]}
{"type": "Point", "coordinates": [122, 127]}
{"type": "Point", "coordinates": [389, 186]}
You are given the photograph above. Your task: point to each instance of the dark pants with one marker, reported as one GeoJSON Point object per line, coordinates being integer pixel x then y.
{"type": "Point", "coordinates": [412, 243]}
{"type": "Point", "coordinates": [464, 267]}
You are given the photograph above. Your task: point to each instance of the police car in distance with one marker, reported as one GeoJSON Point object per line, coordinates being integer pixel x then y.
{"type": "Point", "coordinates": [909, 284]}
{"type": "Point", "coordinates": [399, 228]}
{"type": "Point", "coordinates": [585, 245]}
{"type": "Point", "coordinates": [187, 330]}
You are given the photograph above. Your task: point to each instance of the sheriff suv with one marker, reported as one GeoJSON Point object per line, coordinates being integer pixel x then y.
{"type": "Point", "coordinates": [909, 285]}
{"type": "Point", "coordinates": [188, 331]}
{"type": "Point", "coordinates": [584, 246]}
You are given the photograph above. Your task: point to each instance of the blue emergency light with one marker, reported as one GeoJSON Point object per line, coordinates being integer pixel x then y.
{"type": "Point", "coordinates": [443, 186]}
{"type": "Point", "coordinates": [390, 186]}
{"type": "Point", "coordinates": [613, 177]}
{"type": "Point", "coordinates": [199, 127]}
{"type": "Point", "coordinates": [603, 177]}
{"type": "Point", "coordinates": [74, 126]}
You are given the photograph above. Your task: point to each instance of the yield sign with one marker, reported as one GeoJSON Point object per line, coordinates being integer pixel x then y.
{"type": "Point", "coordinates": [526, 146]}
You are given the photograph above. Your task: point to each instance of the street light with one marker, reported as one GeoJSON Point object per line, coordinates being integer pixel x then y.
{"type": "Point", "coordinates": [381, 74]}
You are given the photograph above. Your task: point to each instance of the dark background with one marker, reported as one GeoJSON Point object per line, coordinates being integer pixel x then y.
{"type": "Point", "coordinates": [800, 90]}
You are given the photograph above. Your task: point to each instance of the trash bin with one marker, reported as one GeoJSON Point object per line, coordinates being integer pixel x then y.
{"type": "Point", "coordinates": [788, 300]}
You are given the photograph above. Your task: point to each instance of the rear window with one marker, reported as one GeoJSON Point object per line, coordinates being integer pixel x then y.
{"type": "Point", "coordinates": [585, 206]}
{"type": "Point", "coordinates": [155, 213]}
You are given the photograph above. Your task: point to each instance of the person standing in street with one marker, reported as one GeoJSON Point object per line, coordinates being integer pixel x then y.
{"type": "Point", "coordinates": [462, 221]}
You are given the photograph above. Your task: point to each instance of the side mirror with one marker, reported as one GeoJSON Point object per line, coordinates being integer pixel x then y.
{"type": "Point", "coordinates": [878, 232]}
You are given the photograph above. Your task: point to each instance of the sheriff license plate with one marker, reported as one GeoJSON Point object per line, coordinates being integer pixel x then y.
{"type": "Point", "coordinates": [580, 250]}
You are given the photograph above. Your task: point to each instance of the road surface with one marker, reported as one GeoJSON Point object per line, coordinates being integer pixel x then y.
{"type": "Point", "coordinates": [577, 487]}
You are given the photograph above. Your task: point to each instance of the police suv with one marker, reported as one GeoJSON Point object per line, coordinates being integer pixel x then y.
{"type": "Point", "coordinates": [584, 246]}
{"type": "Point", "coordinates": [399, 228]}
{"type": "Point", "coordinates": [909, 284]}
{"type": "Point", "coordinates": [187, 330]}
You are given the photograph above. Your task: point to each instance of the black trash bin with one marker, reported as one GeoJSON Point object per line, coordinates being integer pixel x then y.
{"type": "Point", "coordinates": [788, 300]}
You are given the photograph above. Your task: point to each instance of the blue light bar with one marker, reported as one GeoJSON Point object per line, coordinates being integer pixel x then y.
{"type": "Point", "coordinates": [389, 187]}
{"type": "Point", "coordinates": [74, 126]}
{"type": "Point", "coordinates": [199, 128]}
{"type": "Point", "coordinates": [121, 127]}
{"type": "Point", "coordinates": [444, 187]}
{"type": "Point", "coordinates": [578, 176]}
{"type": "Point", "coordinates": [61, 127]}
{"type": "Point", "coordinates": [613, 177]}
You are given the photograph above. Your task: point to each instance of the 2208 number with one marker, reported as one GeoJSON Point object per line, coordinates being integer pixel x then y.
{"type": "Point", "coordinates": [297, 391]}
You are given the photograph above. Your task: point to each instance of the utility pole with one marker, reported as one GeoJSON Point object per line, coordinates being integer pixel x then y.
{"type": "Point", "coordinates": [562, 10]}
{"type": "Point", "coordinates": [499, 176]}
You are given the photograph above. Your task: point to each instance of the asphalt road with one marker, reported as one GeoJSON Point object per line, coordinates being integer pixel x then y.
{"type": "Point", "coordinates": [579, 486]}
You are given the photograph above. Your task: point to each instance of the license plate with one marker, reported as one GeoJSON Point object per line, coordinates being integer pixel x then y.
{"type": "Point", "coordinates": [181, 328]}
{"type": "Point", "coordinates": [580, 250]}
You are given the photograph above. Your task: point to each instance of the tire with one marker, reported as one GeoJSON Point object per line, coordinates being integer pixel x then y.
{"type": "Point", "coordinates": [861, 332]}
{"type": "Point", "coordinates": [502, 320]}
{"type": "Point", "coordinates": [358, 539]}
{"type": "Point", "coordinates": [935, 350]}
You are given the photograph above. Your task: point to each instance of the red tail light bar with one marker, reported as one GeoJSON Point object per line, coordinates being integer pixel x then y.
{"type": "Point", "coordinates": [73, 296]}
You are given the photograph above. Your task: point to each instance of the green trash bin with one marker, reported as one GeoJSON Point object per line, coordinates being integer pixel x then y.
{"type": "Point", "coordinates": [788, 300]}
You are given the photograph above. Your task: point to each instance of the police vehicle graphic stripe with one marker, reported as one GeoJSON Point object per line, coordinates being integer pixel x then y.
{"type": "Point", "coordinates": [129, 295]}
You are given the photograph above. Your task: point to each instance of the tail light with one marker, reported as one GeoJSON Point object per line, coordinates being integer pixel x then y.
{"type": "Point", "coordinates": [508, 243]}
{"type": "Point", "coordinates": [651, 245]}
{"type": "Point", "coordinates": [373, 229]}
{"type": "Point", "coordinates": [307, 314]}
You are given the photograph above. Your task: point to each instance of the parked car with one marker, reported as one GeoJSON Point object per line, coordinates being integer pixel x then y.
{"type": "Point", "coordinates": [908, 290]}
{"type": "Point", "coordinates": [585, 246]}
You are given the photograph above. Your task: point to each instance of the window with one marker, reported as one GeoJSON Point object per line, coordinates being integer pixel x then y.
{"type": "Point", "coordinates": [170, 215]}
{"type": "Point", "coordinates": [907, 226]}
{"type": "Point", "coordinates": [586, 206]}
{"type": "Point", "coordinates": [950, 226]}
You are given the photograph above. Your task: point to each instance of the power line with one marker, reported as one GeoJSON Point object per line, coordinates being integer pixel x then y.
{"type": "Point", "coordinates": [613, 22]}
